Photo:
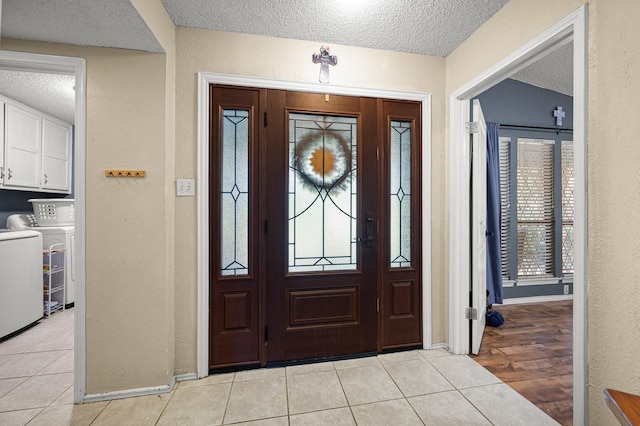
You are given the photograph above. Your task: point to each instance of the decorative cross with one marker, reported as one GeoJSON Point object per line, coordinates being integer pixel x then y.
{"type": "Point", "coordinates": [559, 114]}
{"type": "Point", "coordinates": [324, 59]}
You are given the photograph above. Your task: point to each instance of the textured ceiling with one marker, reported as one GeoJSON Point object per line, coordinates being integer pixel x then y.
{"type": "Point", "coordinates": [103, 23]}
{"type": "Point", "coordinates": [430, 27]}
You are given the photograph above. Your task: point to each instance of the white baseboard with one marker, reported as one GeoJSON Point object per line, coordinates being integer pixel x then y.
{"type": "Point", "coordinates": [130, 393]}
{"type": "Point", "coordinates": [537, 299]}
{"type": "Point", "coordinates": [441, 345]}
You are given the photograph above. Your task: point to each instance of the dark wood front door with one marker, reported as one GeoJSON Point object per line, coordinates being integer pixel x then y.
{"type": "Point", "coordinates": [321, 249]}
{"type": "Point", "coordinates": [315, 230]}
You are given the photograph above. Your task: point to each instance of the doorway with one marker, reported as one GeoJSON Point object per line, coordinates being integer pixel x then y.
{"type": "Point", "coordinates": [572, 28]}
{"type": "Point", "coordinates": [315, 225]}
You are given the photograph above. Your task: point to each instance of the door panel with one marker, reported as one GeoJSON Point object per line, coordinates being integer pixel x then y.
{"type": "Point", "coordinates": [479, 227]}
{"type": "Point", "coordinates": [234, 227]}
{"type": "Point", "coordinates": [315, 226]}
{"type": "Point", "coordinates": [321, 274]}
{"type": "Point", "coordinates": [401, 302]}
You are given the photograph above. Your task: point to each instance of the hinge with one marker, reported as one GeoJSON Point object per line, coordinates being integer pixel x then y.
{"type": "Point", "coordinates": [378, 154]}
{"type": "Point", "coordinates": [265, 119]}
{"type": "Point", "coordinates": [266, 335]}
{"type": "Point", "coordinates": [378, 305]}
{"type": "Point", "coordinates": [471, 313]}
{"type": "Point", "coordinates": [266, 225]}
{"type": "Point", "coordinates": [471, 127]}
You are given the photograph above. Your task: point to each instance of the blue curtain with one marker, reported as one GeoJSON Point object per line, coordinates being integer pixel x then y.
{"type": "Point", "coordinates": [494, 259]}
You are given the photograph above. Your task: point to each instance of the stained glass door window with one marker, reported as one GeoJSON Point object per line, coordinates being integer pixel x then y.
{"type": "Point", "coordinates": [400, 196]}
{"type": "Point", "coordinates": [322, 193]}
{"type": "Point", "coordinates": [234, 223]}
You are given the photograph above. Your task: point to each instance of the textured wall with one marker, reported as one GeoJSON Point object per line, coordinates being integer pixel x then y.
{"type": "Point", "coordinates": [284, 59]}
{"type": "Point", "coordinates": [614, 201]}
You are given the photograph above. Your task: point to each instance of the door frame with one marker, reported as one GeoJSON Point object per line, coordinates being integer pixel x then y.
{"type": "Point", "coordinates": [572, 28]}
{"type": "Point", "coordinates": [52, 64]}
{"type": "Point", "coordinates": [207, 78]}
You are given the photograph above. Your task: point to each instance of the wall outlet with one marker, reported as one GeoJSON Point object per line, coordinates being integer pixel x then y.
{"type": "Point", "coordinates": [566, 289]}
{"type": "Point", "coordinates": [185, 187]}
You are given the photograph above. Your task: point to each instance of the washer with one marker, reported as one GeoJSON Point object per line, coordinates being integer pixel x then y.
{"type": "Point", "coordinates": [21, 283]}
{"type": "Point", "coordinates": [52, 235]}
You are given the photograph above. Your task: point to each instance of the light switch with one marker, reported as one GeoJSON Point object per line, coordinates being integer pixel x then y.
{"type": "Point", "coordinates": [185, 187]}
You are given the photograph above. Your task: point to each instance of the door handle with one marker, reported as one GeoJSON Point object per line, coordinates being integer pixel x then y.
{"type": "Point", "coordinates": [9, 174]}
{"type": "Point", "coordinates": [369, 229]}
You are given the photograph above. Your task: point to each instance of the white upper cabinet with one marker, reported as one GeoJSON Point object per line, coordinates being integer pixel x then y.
{"type": "Point", "coordinates": [36, 150]}
{"type": "Point", "coordinates": [23, 142]}
{"type": "Point", "coordinates": [56, 155]}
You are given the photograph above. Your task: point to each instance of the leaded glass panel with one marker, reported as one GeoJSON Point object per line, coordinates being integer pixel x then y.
{"type": "Point", "coordinates": [322, 193]}
{"type": "Point", "coordinates": [400, 196]}
{"type": "Point", "coordinates": [234, 194]}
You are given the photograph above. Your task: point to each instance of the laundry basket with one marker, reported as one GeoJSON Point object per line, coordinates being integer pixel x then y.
{"type": "Point", "coordinates": [53, 211]}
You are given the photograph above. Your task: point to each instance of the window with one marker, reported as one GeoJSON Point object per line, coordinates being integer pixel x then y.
{"type": "Point", "coordinates": [537, 206]}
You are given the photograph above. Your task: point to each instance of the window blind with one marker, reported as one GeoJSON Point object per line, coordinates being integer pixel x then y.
{"type": "Point", "coordinates": [568, 181]}
{"type": "Point", "coordinates": [505, 202]}
{"type": "Point", "coordinates": [535, 208]}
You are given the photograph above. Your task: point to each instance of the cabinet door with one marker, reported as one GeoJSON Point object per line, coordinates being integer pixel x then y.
{"type": "Point", "coordinates": [3, 169]}
{"type": "Point", "coordinates": [56, 154]}
{"type": "Point", "coordinates": [22, 147]}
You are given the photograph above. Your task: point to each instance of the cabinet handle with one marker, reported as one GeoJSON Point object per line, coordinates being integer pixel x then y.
{"type": "Point", "coordinates": [46, 179]}
{"type": "Point", "coordinates": [9, 174]}
{"type": "Point", "coordinates": [1, 172]}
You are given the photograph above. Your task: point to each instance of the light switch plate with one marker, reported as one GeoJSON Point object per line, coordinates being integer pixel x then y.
{"type": "Point", "coordinates": [185, 187]}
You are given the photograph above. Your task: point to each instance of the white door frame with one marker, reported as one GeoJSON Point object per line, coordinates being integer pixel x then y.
{"type": "Point", "coordinates": [573, 27]}
{"type": "Point", "coordinates": [204, 80]}
{"type": "Point", "coordinates": [21, 61]}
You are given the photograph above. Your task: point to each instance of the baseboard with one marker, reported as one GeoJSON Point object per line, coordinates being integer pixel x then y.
{"type": "Point", "coordinates": [536, 299]}
{"type": "Point", "coordinates": [441, 345]}
{"type": "Point", "coordinates": [130, 393]}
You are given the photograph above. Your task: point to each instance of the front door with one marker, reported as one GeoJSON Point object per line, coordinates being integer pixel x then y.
{"type": "Point", "coordinates": [315, 232]}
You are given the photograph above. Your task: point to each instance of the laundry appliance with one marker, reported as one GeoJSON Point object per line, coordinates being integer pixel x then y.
{"type": "Point", "coordinates": [52, 235]}
{"type": "Point", "coordinates": [20, 280]}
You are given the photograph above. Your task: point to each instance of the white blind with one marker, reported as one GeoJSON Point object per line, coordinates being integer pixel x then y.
{"type": "Point", "coordinates": [568, 181]}
{"type": "Point", "coordinates": [505, 204]}
{"type": "Point", "coordinates": [535, 208]}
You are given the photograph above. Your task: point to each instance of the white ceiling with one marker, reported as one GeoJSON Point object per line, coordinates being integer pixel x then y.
{"type": "Point", "coordinates": [428, 27]}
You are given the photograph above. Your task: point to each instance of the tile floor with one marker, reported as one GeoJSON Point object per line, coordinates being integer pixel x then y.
{"type": "Point", "coordinates": [406, 388]}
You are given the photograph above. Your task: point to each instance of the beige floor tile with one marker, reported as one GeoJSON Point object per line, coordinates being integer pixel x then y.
{"type": "Point", "coordinates": [463, 372]}
{"type": "Point", "coordinates": [64, 364]}
{"type": "Point", "coordinates": [66, 397]}
{"type": "Point", "coordinates": [213, 379]}
{"type": "Point", "coordinates": [395, 412]}
{"type": "Point", "coordinates": [5, 358]}
{"type": "Point", "coordinates": [335, 417]}
{"type": "Point", "coordinates": [368, 384]}
{"type": "Point", "coordinates": [433, 353]}
{"type": "Point", "coordinates": [504, 406]}
{"type": "Point", "coordinates": [274, 421]}
{"type": "Point", "coordinates": [417, 377]}
{"type": "Point", "coordinates": [399, 356]}
{"type": "Point", "coordinates": [64, 415]}
{"type": "Point", "coordinates": [197, 405]}
{"type": "Point", "coordinates": [28, 364]}
{"type": "Point", "coordinates": [142, 410]}
{"type": "Point", "coordinates": [258, 374]}
{"type": "Point", "coordinates": [356, 362]}
{"type": "Point", "coordinates": [21, 417]}
{"type": "Point", "coordinates": [37, 391]}
{"type": "Point", "coordinates": [447, 409]}
{"type": "Point", "coordinates": [314, 391]}
{"type": "Point", "coordinates": [257, 399]}
{"type": "Point", "coordinates": [61, 341]}
{"type": "Point", "coordinates": [7, 385]}
{"type": "Point", "coordinates": [309, 368]}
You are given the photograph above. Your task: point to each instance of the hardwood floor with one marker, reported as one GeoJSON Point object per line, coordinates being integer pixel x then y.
{"type": "Point", "coordinates": [532, 353]}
